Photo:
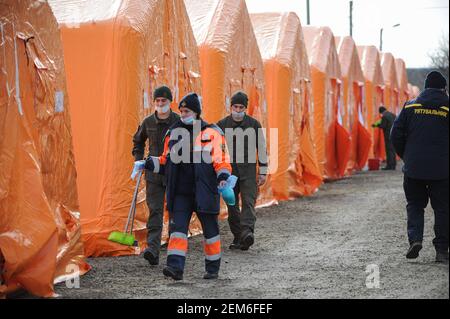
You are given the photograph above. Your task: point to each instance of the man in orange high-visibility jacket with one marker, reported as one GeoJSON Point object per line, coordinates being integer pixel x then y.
{"type": "Point", "coordinates": [195, 161]}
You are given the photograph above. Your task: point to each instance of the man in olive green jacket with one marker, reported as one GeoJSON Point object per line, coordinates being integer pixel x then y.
{"type": "Point", "coordinates": [154, 128]}
{"type": "Point", "coordinates": [248, 154]}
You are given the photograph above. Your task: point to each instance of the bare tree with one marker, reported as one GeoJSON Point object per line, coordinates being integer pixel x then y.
{"type": "Point", "coordinates": [439, 57]}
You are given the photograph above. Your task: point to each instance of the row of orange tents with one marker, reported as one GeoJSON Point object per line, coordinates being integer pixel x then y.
{"type": "Point", "coordinates": [76, 80]}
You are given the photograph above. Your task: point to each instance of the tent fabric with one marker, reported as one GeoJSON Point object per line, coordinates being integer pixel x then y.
{"type": "Point", "coordinates": [288, 92]}
{"type": "Point", "coordinates": [116, 53]}
{"type": "Point", "coordinates": [230, 60]}
{"type": "Point", "coordinates": [40, 233]}
{"type": "Point", "coordinates": [374, 84]}
{"type": "Point", "coordinates": [391, 90]}
{"type": "Point", "coordinates": [402, 79]}
{"type": "Point", "coordinates": [332, 141]}
{"type": "Point", "coordinates": [354, 111]}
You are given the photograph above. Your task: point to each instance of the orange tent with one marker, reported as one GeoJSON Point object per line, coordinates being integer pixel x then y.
{"type": "Point", "coordinates": [229, 61]}
{"type": "Point", "coordinates": [116, 53]}
{"type": "Point", "coordinates": [331, 140]}
{"type": "Point", "coordinates": [288, 91]}
{"type": "Point", "coordinates": [371, 65]}
{"type": "Point", "coordinates": [402, 79]}
{"type": "Point", "coordinates": [391, 90]}
{"type": "Point", "coordinates": [40, 235]}
{"type": "Point", "coordinates": [353, 111]}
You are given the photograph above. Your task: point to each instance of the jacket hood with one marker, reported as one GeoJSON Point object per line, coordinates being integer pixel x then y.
{"type": "Point", "coordinates": [432, 98]}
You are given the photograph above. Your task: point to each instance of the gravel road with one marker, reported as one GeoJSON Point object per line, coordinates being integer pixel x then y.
{"type": "Point", "coordinates": [324, 246]}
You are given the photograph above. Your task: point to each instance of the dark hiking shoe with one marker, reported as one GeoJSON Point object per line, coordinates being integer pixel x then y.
{"type": "Point", "coordinates": [247, 241]}
{"type": "Point", "coordinates": [236, 244]}
{"type": "Point", "coordinates": [174, 274]}
{"type": "Point", "coordinates": [413, 251]}
{"type": "Point", "coordinates": [210, 275]}
{"type": "Point", "coordinates": [442, 257]}
{"type": "Point", "coordinates": [152, 259]}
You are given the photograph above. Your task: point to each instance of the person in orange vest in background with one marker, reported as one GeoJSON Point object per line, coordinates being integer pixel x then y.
{"type": "Point", "coordinates": [154, 128]}
{"type": "Point", "coordinates": [386, 122]}
{"type": "Point", "coordinates": [196, 163]}
{"type": "Point", "coordinates": [250, 169]}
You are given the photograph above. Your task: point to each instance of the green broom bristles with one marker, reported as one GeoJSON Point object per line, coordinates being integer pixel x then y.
{"type": "Point", "coordinates": [122, 238]}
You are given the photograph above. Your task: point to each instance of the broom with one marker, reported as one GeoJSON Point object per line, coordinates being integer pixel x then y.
{"type": "Point", "coordinates": [126, 238]}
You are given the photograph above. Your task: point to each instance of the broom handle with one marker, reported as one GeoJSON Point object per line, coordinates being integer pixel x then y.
{"type": "Point", "coordinates": [133, 215]}
{"type": "Point", "coordinates": [133, 204]}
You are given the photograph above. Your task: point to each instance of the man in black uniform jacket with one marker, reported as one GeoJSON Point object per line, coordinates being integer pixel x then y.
{"type": "Point", "coordinates": [420, 137]}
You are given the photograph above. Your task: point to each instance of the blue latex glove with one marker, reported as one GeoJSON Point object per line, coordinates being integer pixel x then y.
{"type": "Point", "coordinates": [138, 166]}
{"type": "Point", "coordinates": [227, 190]}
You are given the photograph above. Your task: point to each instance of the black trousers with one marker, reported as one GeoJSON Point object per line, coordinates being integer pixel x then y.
{"type": "Point", "coordinates": [391, 159]}
{"type": "Point", "coordinates": [155, 202]}
{"type": "Point", "coordinates": [418, 192]}
{"type": "Point", "coordinates": [242, 220]}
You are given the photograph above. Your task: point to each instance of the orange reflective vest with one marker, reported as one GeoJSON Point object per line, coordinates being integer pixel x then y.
{"type": "Point", "coordinates": [210, 157]}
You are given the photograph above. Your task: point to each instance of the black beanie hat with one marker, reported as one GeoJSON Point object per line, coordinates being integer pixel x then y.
{"type": "Point", "coordinates": [192, 102]}
{"type": "Point", "coordinates": [435, 80]}
{"type": "Point", "coordinates": [162, 91]}
{"type": "Point", "coordinates": [239, 98]}
{"type": "Point", "coordinates": [382, 109]}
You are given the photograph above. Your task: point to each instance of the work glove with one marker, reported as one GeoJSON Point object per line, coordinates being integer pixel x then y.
{"type": "Point", "coordinates": [138, 166]}
{"type": "Point", "coordinates": [377, 123]}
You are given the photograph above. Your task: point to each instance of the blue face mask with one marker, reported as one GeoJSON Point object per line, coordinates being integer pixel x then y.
{"type": "Point", "coordinates": [163, 109]}
{"type": "Point", "coordinates": [237, 115]}
{"type": "Point", "coordinates": [188, 120]}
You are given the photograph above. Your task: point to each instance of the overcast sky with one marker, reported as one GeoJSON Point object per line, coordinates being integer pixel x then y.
{"type": "Point", "coordinates": [422, 22]}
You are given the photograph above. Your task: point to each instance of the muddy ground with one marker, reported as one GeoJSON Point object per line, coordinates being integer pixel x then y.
{"type": "Point", "coordinates": [316, 247]}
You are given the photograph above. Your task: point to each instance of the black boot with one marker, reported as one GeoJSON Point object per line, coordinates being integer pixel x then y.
{"type": "Point", "coordinates": [442, 257]}
{"type": "Point", "coordinates": [236, 244]}
{"type": "Point", "coordinates": [151, 258]}
{"type": "Point", "coordinates": [172, 273]}
{"type": "Point", "coordinates": [209, 275]}
{"type": "Point", "coordinates": [247, 240]}
{"type": "Point", "coordinates": [413, 251]}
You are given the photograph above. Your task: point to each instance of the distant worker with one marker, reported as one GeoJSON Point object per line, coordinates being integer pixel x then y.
{"type": "Point", "coordinates": [154, 128]}
{"type": "Point", "coordinates": [196, 162]}
{"type": "Point", "coordinates": [385, 123]}
{"type": "Point", "coordinates": [420, 138]}
{"type": "Point", "coordinates": [248, 144]}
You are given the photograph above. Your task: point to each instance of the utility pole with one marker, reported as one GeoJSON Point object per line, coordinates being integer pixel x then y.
{"type": "Point", "coordinates": [381, 35]}
{"type": "Point", "coordinates": [308, 17]}
{"type": "Point", "coordinates": [381, 39]}
{"type": "Point", "coordinates": [351, 18]}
